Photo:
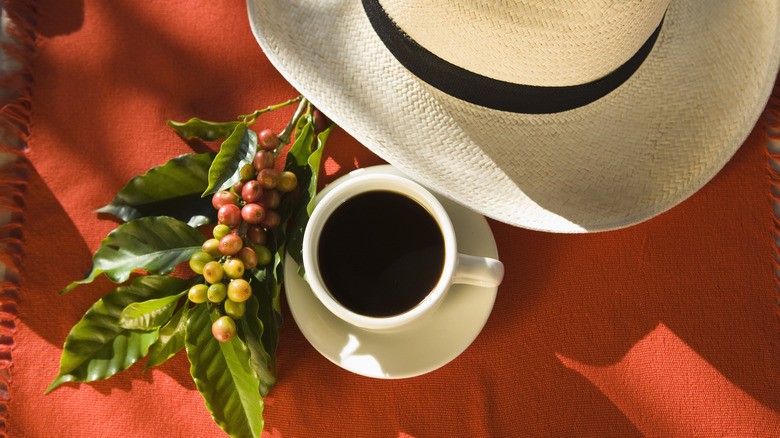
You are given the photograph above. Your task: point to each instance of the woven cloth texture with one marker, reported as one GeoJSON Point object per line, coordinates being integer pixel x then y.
{"type": "Point", "coordinates": [666, 328]}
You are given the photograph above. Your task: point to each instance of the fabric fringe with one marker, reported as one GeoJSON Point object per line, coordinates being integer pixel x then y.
{"type": "Point", "coordinates": [15, 105]}
{"type": "Point", "coordinates": [772, 119]}
{"type": "Point", "coordinates": [15, 92]}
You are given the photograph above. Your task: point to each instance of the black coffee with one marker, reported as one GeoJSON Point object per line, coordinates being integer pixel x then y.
{"type": "Point", "coordinates": [380, 253]}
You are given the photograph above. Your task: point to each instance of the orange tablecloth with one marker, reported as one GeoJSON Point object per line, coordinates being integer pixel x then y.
{"type": "Point", "coordinates": [667, 328]}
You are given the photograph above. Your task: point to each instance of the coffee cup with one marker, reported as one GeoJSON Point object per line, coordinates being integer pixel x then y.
{"type": "Point", "coordinates": [380, 251]}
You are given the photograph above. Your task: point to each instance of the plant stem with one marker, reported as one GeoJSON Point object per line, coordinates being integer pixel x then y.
{"type": "Point", "coordinates": [251, 118]}
{"type": "Point", "coordinates": [284, 136]}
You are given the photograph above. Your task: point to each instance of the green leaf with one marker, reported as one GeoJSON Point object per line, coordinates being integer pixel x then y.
{"type": "Point", "coordinates": [224, 376]}
{"type": "Point", "coordinates": [150, 314]}
{"type": "Point", "coordinates": [304, 139]}
{"type": "Point", "coordinates": [304, 203]}
{"type": "Point", "coordinates": [155, 244]}
{"type": "Point", "coordinates": [208, 131]}
{"type": "Point", "coordinates": [170, 341]}
{"type": "Point", "coordinates": [267, 291]}
{"type": "Point", "coordinates": [236, 150]}
{"type": "Point", "coordinates": [173, 189]}
{"type": "Point", "coordinates": [97, 347]}
{"type": "Point", "coordinates": [251, 329]}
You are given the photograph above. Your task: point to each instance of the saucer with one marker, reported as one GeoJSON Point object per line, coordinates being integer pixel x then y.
{"type": "Point", "coordinates": [423, 345]}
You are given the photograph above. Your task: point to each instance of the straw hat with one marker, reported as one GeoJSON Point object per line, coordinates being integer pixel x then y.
{"type": "Point", "coordinates": [554, 115]}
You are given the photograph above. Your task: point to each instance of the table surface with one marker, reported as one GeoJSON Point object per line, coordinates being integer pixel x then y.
{"type": "Point", "coordinates": [666, 328]}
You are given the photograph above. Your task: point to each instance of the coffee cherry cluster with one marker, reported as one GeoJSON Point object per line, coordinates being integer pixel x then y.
{"type": "Point", "coordinates": [256, 196]}
{"type": "Point", "coordinates": [245, 213]}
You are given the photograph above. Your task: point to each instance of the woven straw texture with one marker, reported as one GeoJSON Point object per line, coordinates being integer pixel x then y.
{"type": "Point", "coordinates": [666, 329]}
{"type": "Point", "coordinates": [623, 159]}
{"type": "Point", "coordinates": [545, 43]}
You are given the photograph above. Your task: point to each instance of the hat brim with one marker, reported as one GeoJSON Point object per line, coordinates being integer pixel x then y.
{"type": "Point", "coordinates": [631, 155]}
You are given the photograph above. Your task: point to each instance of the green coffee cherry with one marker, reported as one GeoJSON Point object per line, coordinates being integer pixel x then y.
{"type": "Point", "coordinates": [198, 293]}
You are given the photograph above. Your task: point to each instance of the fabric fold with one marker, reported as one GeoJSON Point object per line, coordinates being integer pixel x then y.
{"type": "Point", "coordinates": [772, 117]}
{"type": "Point", "coordinates": [18, 43]}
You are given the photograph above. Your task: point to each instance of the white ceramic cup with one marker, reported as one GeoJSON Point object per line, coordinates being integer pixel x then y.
{"type": "Point", "coordinates": [457, 267]}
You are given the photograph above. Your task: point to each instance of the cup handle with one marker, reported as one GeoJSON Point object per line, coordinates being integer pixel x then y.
{"type": "Point", "coordinates": [478, 271]}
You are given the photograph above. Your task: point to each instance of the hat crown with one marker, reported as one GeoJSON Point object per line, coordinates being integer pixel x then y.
{"type": "Point", "coordinates": [530, 42]}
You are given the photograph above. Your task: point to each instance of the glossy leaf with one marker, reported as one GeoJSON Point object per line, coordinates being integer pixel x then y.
{"type": "Point", "coordinates": [235, 151]}
{"type": "Point", "coordinates": [304, 140]}
{"type": "Point", "coordinates": [251, 330]}
{"type": "Point", "coordinates": [224, 376]}
{"type": "Point", "coordinates": [173, 189]}
{"type": "Point", "coordinates": [170, 340]}
{"type": "Point", "coordinates": [304, 203]}
{"type": "Point", "coordinates": [97, 347]}
{"type": "Point", "coordinates": [155, 244]}
{"type": "Point", "coordinates": [150, 314]}
{"type": "Point", "coordinates": [304, 160]}
{"type": "Point", "coordinates": [208, 131]}
{"type": "Point", "coordinates": [267, 291]}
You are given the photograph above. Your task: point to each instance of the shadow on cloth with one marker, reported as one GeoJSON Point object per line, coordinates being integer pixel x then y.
{"type": "Point", "coordinates": [62, 256]}
{"type": "Point", "coordinates": [61, 18]}
{"type": "Point", "coordinates": [684, 271]}
{"type": "Point", "coordinates": [702, 270]}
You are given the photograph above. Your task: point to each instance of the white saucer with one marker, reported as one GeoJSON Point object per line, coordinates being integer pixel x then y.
{"type": "Point", "coordinates": [423, 346]}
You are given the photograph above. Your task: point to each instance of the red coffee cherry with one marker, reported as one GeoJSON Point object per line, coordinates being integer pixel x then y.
{"type": "Point", "coordinates": [270, 199]}
{"type": "Point", "coordinates": [248, 257]}
{"type": "Point", "coordinates": [268, 178]}
{"type": "Point", "coordinates": [230, 244]}
{"type": "Point", "coordinates": [263, 160]}
{"type": "Point", "coordinates": [256, 235]}
{"type": "Point", "coordinates": [271, 220]}
{"type": "Point", "coordinates": [238, 186]}
{"type": "Point", "coordinates": [224, 328]}
{"type": "Point", "coordinates": [267, 140]}
{"type": "Point", "coordinates": [321, 121]}
{"type": "Point", "coordinates": [253, 213]}
{"type": "Point", "coordinates": [223, 197]}
{"type": "Point", "coordinates": [251, 191]}
{"type": "Point", "coordinates": [230, 215]}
